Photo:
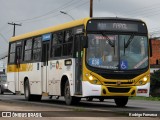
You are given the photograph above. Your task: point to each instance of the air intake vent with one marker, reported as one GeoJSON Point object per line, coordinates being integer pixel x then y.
{"type": "Point", "coordinates": [118, 90]}
{"type": "Point", "coordinates": [122, 83]}
{"type": "Point", "coordinates": [118, 76]}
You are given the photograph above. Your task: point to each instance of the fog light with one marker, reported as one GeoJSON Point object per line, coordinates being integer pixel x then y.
{"type": "Point", "coordinates": [95, 81]}
{"type": "Point", "coordinates": [104, 91]}
{"type": "Point", "coordinates": [140, 82]}
{"type": "Point", "coordinates": [133, 92]}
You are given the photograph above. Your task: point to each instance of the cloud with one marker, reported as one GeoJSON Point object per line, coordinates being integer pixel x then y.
{"type": "Point", "coordinates": [38, 14]}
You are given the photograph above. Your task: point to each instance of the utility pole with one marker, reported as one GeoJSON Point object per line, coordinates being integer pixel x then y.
{"type": "Point", "coordinates": [91, 8]}
{"type": "Point", "coordinates": [14, 27]}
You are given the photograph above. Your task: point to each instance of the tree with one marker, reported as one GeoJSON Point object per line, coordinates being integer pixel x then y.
{"type": "Point", "coordinates": [155, 84]}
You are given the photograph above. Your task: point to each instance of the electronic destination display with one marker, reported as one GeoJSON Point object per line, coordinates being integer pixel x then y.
{"type": "Point", "coordinates": [116, 25]}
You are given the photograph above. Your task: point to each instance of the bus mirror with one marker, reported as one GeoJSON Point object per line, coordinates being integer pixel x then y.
{"type": "Point", "coordinates": [150, 47]}
{"type": "Point", "coordinates": [85, 41]}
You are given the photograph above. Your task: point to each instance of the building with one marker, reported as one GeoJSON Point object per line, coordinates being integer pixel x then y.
{"type": "Point", "coordinates": [155, 59]}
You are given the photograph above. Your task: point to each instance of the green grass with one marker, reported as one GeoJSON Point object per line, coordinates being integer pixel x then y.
{"type": "Point", "coordinates": [145, 98]}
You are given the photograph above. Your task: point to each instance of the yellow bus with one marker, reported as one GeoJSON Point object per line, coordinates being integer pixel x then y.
{"type": "Point", "coordinates": [104, 58]}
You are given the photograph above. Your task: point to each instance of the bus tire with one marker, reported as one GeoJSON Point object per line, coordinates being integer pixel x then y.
{"type": "Point", "coordinates": [121, 101]}
{"type": "Point", "coordinates": [28, 95]}
{"type": "Point", "coordinates": [70, 100]}
{"type": "Point", "coordinates": [27, 91]}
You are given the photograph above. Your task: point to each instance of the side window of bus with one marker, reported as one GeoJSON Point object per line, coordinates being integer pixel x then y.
{"type": "Point", "coordinates": [57, 44]}
{"type": "Point", "coordinates": [68, 42]}
{"type": "Point", "coordinates": [12, 53]}
{"type": "Point", "coordinates": [37, 48]}
{"type": "Point", "coordinates": [28, 50]}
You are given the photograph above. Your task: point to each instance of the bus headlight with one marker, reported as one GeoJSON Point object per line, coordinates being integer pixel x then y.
{"type": "Point", "coordinates": [90, 77]}
{"type": "Point", "coordinates": [93, 79]}
{"type": "Point", "coordinates": [5, 85]}
{"type": "Point", "coordinates": [143, 80]}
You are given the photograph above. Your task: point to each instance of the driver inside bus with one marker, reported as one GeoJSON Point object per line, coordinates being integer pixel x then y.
{"type": "Point", "coordinates": [110, 56]}
{"type": "Point", "coordinates": [93, 47]}
{"type": "Point", "coordinates": [107, 53]}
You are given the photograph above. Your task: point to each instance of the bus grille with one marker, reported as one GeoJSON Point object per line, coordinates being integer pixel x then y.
{"type": "Point", "coordinates": [118, 76]}
{"type": "Point", "coordinates": [118, 90]}
{"type": "Point", "coordinates": [122, 83]}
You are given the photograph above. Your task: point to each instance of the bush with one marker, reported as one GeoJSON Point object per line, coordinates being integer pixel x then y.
{"type": "Point", "coordinates": [155, 84]}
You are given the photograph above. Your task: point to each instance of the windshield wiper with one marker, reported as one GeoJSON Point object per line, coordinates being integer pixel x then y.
{"type": "Point", "coordinates": [128, 42]}
{"type": "Point", "coordinates": [109, 41]}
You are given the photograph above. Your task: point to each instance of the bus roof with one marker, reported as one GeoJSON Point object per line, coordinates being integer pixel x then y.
{"type": "Point", "coordinates": [50, 29]}
{"type": "Point", "coordinates": [64, 26]}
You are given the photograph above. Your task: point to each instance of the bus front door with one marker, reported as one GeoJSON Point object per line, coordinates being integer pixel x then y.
{"type": "Point", "coordinates": [78, 64]}
{"type": "Point", "coordinates": [18, 60]}
{"type": "Point", "coordinates": [45, 54]}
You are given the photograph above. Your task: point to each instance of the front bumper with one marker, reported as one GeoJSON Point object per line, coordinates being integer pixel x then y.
{"type": "Point", "coordinates": [101, 90]}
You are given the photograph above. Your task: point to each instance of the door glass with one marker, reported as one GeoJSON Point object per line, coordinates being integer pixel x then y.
{"type": "Point", "coordinates": [45, 53]}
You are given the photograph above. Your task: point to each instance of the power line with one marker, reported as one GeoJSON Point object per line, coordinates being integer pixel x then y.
{"type": "Point", "coordinates": [150, 7]}
{"type": "Point", "coordinates": [4, 38]}
{"type": "Point", "coordinates": [55, 16]}
{"type": "Point", "coordinates": [85, 3]}
{"type": "Point", "coordinates": [65, 5]}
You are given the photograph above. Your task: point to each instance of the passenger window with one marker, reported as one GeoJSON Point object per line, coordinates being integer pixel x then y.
{"type": "Point", "coordinates": [12, 53]}
{"type": "Point", "coordinates": [57, 38]}
{"type": "Point", "coordinates": [62, 43]}
{"type": "Point", "coordinates": [68, 43]}
{"type": "Point", "coordinates": [28, 50]}
{"type": "Point", "coordinates": [37, 48]}
{"type": "Point", "coordinates": [57, 42]}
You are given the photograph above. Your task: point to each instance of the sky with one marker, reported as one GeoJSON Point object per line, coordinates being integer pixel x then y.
{"type": "Point", "coordinates": [39, 14]}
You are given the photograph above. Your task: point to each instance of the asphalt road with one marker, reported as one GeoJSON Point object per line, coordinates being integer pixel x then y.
{"type": "Point", "coordinates": [57, 108]}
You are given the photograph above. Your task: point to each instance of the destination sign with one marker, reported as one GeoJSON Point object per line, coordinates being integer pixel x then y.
{"type": "Point", "coordinates": [116, 25]}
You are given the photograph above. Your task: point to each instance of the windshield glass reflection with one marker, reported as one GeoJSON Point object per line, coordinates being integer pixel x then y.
{"type": "Point", "coordinates": [124, 52]}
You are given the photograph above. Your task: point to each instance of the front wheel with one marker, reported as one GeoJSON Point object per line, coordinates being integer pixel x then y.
{"type": "Point", "coordinates": [28, 95]}
{"type": "Point", "coordinates": [70, 100]}
{"type": "Point", "coordinates": [27, 91]}
{"type": "Point", "coordinates": [121, 102]}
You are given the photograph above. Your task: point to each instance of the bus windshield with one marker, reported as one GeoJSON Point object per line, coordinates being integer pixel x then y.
{"type": "Point", "coordinates": [117, 52]}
